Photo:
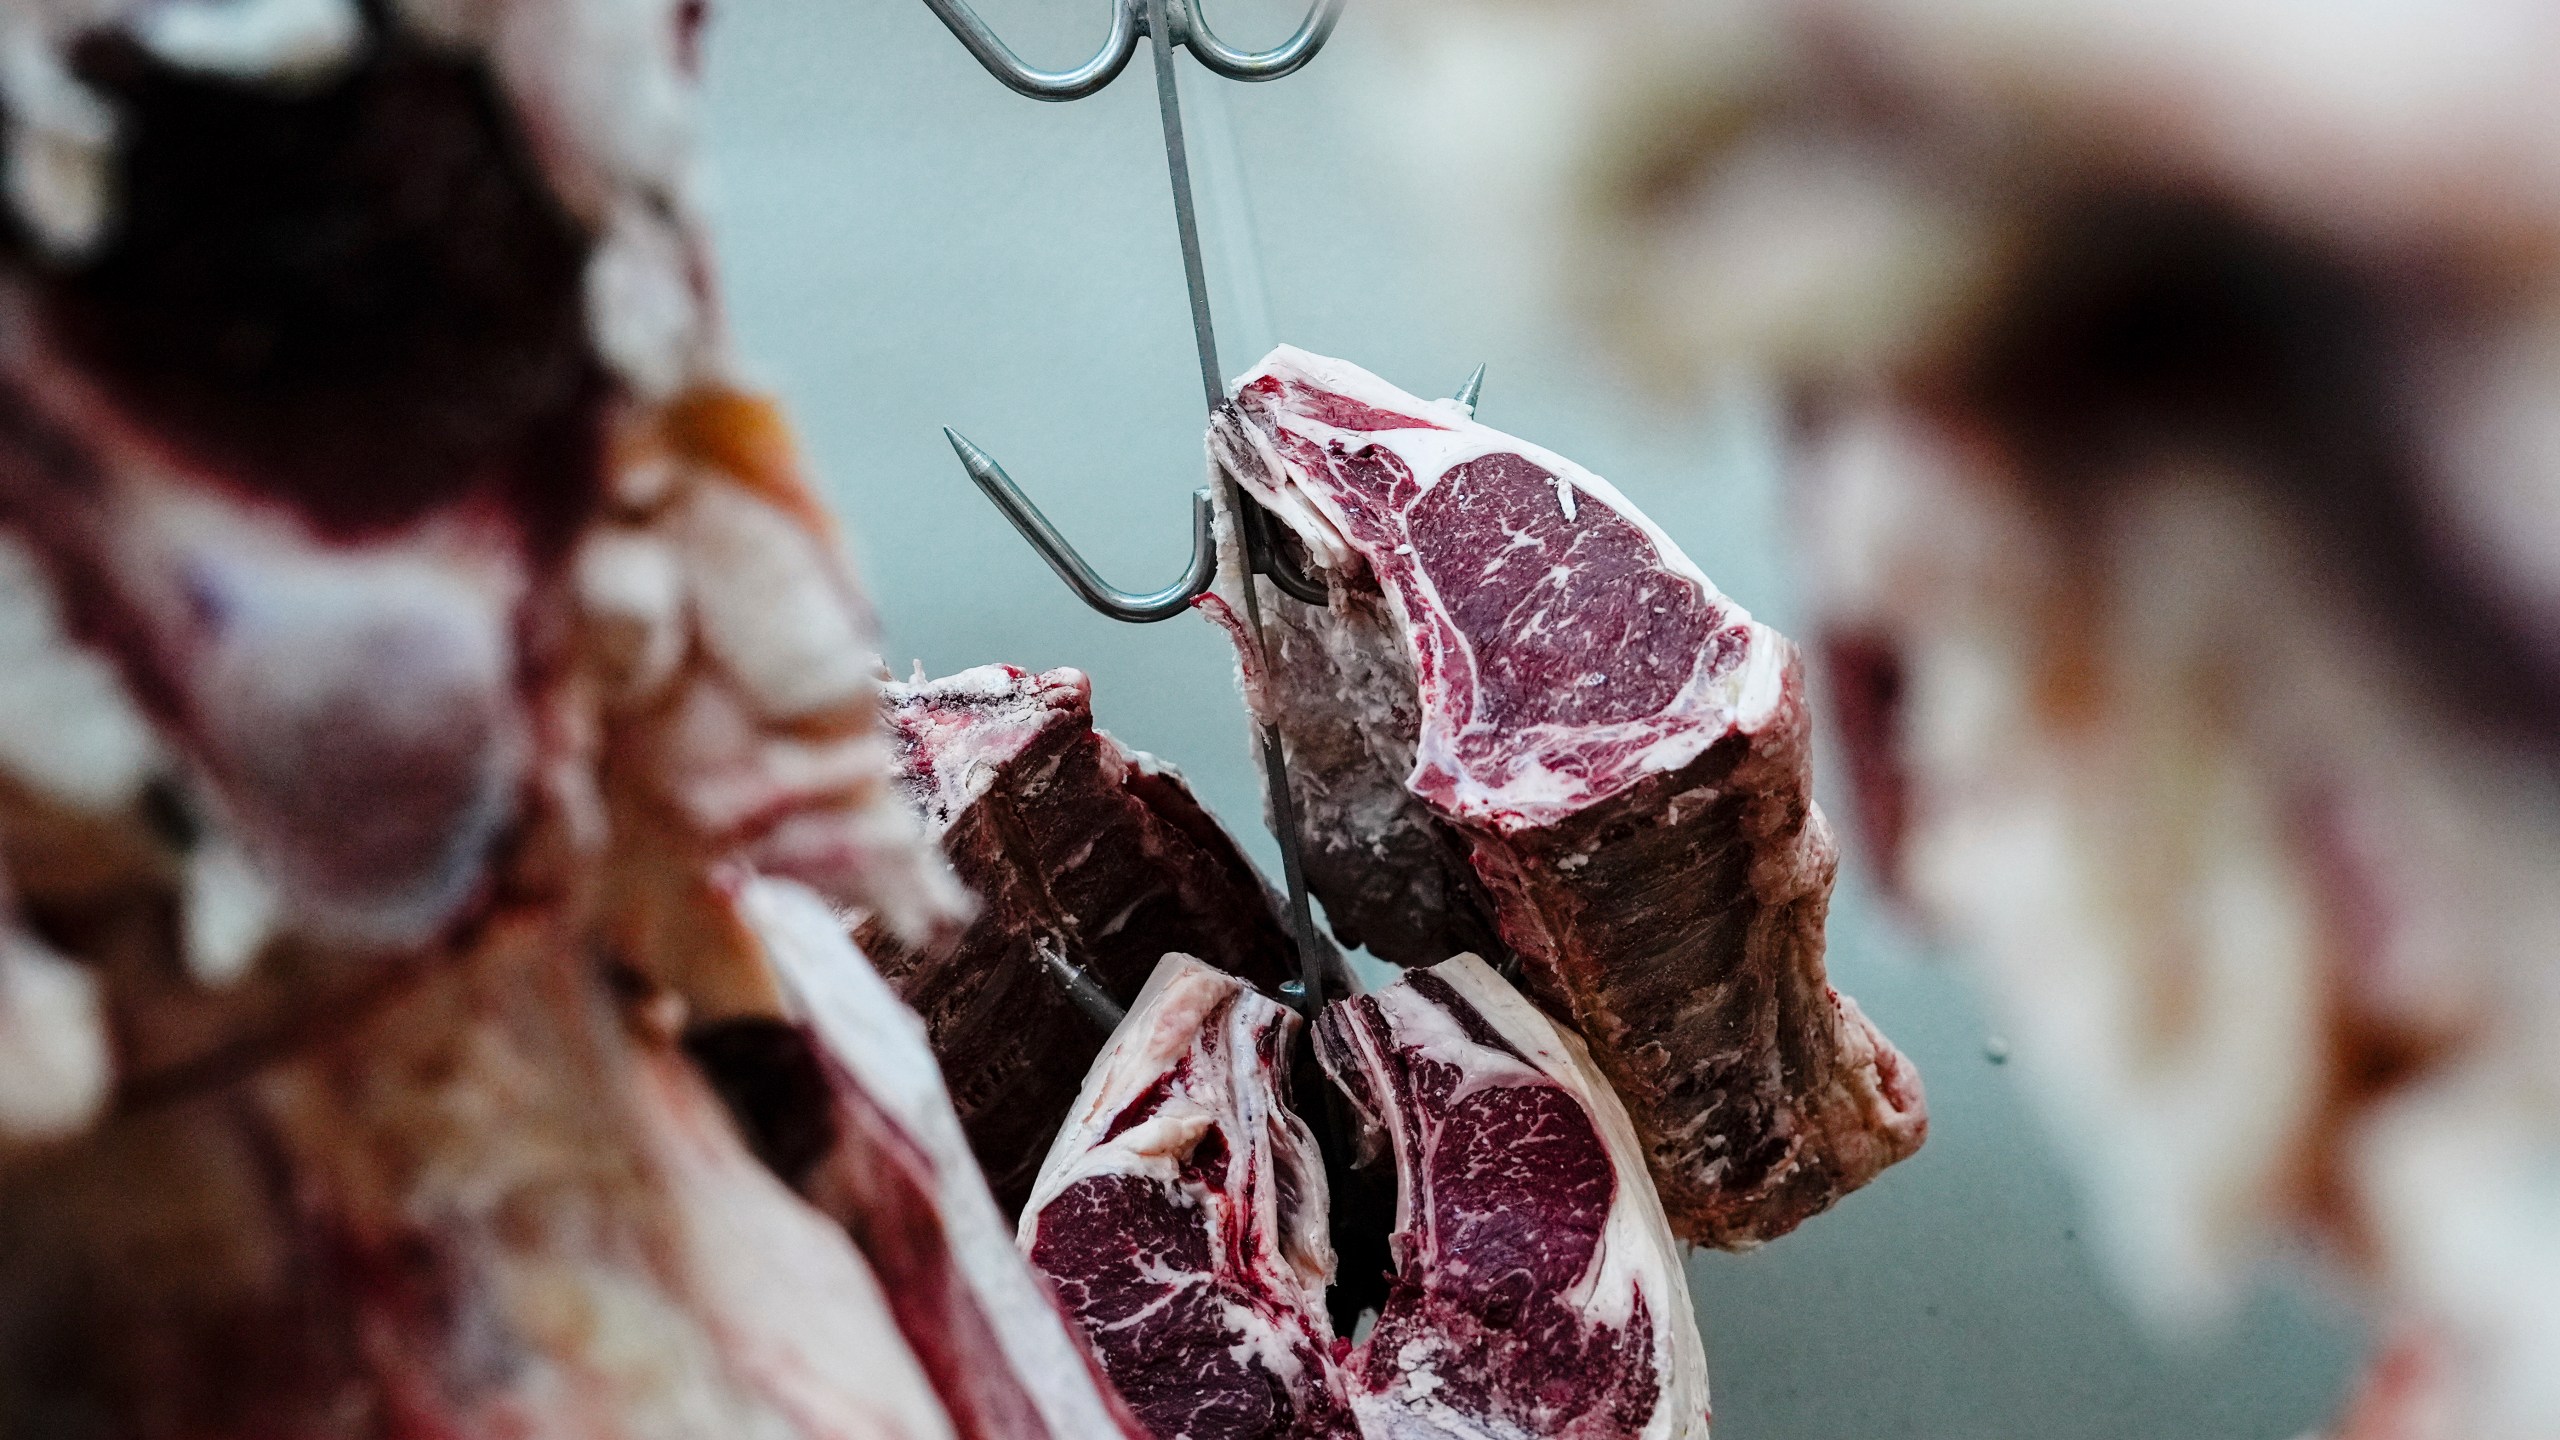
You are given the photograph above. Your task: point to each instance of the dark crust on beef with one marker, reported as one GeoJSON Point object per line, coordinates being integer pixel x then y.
{"type": "Point", "coordinates": [1686, 949]}
{"type": "Point", "coordinates": [1073, 847]}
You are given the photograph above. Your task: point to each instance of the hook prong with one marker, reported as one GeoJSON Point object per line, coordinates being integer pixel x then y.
{"type": "Point", "coordinates": [1071, 567]}
{"type": "Point", "coordinates": [1085, 992]}
{"type": "Point", "coordinates": [1271, 64]}
{"type": "Point", "coordinates": [1269, 557]}
{"type": "Point", "coordinates": [1468, 392]}
{"type": "Point", "coordinates": [1022, 79]}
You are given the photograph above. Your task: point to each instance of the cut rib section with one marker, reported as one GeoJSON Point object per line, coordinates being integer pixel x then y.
{"type": "Point", "coordinates": [1079, 849]}
{"type": "Point", "coordinates": [1181, 1216]}
{"type": "Point", "coordinates": [1538, 1288]}
{"type": "Point", "coordinates": [1527, 720]}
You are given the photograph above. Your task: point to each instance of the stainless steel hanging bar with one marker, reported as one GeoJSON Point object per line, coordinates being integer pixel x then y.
{"type": "Point", "coordinates": [1171, 25]}
{"type": "Point", "coordinates": [1255, 541]}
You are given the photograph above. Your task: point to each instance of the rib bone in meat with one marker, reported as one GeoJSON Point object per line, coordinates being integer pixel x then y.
{"type": "Point", "coordinates": [1525, 712]}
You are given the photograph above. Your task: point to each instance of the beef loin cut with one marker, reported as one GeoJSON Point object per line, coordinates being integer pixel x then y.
{"type": "Point", "coordinates": [1525, 711]}
{"type": "Point", "coordinates": [1181, 1215]}
{"type": "Point", "coordinates": [856, 1115]}
{"type": "Point", "coordinates": [1078, 849]}
{"type": "Point", "coordinates": [1538, 1288]}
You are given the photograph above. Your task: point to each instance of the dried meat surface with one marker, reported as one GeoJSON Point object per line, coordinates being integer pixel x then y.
{"type": "Point", "coordinates": [1519, 674]}
{"type": "Point", "coordinates": [1080, 850]}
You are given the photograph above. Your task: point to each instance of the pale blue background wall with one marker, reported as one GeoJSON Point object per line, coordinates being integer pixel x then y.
{"type": "Point", "coordinates": [906, 245]}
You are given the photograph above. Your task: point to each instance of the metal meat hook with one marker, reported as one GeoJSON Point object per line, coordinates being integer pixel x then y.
{"type": "Point", "coordinates": [1169, 24]}
{"type": "Point", "coordinates": [1129, 20]}
{"type": "Point", "coordinates": [1263, 554]}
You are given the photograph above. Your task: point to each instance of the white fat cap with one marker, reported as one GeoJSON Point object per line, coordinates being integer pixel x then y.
{"type": "Point", "coordinates": [67, 729]}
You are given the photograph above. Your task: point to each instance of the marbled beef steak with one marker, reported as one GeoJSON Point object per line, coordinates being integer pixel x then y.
{"type": "Point", "coordinates": [1538, 1289]}
{"type": "Point", "coordinates": [1182, 1217]}
{"type": "Point", "coordinates": [1538, 1292]}
{"type": "Point", "coordinates": [1526, 713]}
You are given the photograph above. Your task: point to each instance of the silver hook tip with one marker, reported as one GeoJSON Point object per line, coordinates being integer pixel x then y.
{"type": "Point", "coordinates": [976, 461]}
{"type": "Point", "coordinates": [1466, 395]}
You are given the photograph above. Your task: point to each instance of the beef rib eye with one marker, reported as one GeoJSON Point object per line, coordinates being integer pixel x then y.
{"type": "Point", "coordinates": [1525, 712]}
{"type": "Point", "coordinates": [1182, 1216]}
{"type": "Point", "coordinates": [1538, 1288]}
{"type": "Point", "coordinates": [1078, 848]}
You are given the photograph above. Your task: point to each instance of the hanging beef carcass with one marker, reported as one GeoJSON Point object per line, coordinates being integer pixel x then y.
{"type": "Point", "coordinates": [1083, 853]}
{"type": "Point", "coordinates": [1524, 711]}
{"type": "Point", "coordinates": [414, 636]}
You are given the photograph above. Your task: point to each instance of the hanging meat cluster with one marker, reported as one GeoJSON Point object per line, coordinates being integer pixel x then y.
{"type": "Point", "coordinates": [448, 789]}
{"type": "Point", "coordinates": [2173, 390]}
{"type": "Point", "coordinates": [1523, 722]}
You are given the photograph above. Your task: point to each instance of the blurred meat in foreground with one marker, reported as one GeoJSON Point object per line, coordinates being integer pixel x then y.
{"type": "Point", "coordinates": [434, 703]}
{"type": "Point", "coordinates": [2174, 391]}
